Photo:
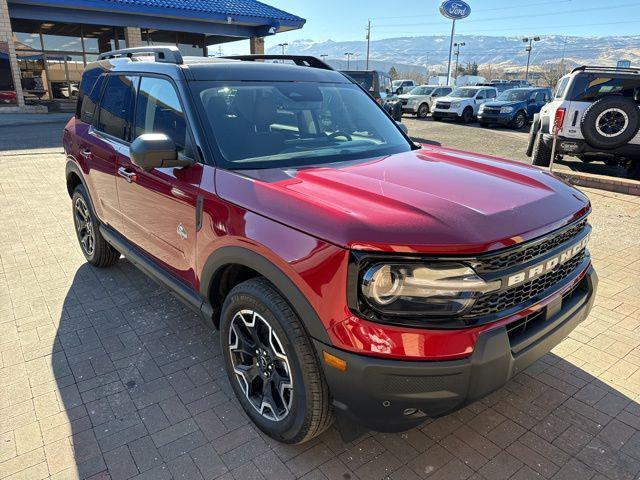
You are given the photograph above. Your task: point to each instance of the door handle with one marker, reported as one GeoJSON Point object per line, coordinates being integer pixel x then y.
{"type": "Point", "coordinates": [86, 153]}
{"type": "Point", "coordinates": [127, 174]}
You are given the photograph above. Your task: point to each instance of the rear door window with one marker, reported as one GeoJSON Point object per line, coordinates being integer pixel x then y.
{"type": "Point", "coordinates": [589, 88]}
{"type": "Point", "coordinates": [116, 107]}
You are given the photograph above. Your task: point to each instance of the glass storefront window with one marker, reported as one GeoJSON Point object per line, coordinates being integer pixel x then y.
{"type": "Point", "coordinates": [62, 37]}
{"type": "Point", "coordinates": [7, 90]}
{"type": "Point", "coordinates": [100, 39]}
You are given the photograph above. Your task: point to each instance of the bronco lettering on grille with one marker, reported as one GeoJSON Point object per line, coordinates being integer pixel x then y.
{"type": "Point", "coordinates": [547, 265]}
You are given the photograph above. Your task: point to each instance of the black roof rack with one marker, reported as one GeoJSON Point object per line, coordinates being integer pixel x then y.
{"type": "Point", "coordinates": [605, 69]}
{"type": "Point", "coordinates": [168, 54]}
{"type": "Point", "coordinates": [300, 60]}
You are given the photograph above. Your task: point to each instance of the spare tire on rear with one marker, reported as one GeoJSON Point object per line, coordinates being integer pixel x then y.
{"type": "Point", "coordinates": [610, 122]}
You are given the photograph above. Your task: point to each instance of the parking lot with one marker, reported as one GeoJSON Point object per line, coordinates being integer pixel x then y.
{"type": "Point", "coordinates": [104, 374]}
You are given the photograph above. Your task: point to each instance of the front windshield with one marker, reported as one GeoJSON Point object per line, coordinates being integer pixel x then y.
{"type": "Point", "coordinates": [464, 92]}
{"type": "Point", "coordinates": [284, 124]}
{"type": "Point", "coordinates": [514, 96]}
{"type": "Point", "coordinates": [422, 91]}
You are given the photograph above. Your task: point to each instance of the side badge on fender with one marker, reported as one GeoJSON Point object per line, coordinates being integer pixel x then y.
{"type": "Point", "coordinates": [182, 232]}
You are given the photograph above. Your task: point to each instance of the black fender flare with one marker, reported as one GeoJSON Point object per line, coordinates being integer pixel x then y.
{"type": "Point", "coordinates": [251, 259]}
{"type": "Point", "coordinates": [73, 167]}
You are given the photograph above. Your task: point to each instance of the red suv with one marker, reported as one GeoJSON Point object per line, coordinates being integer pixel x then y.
{"type": "Point", "coordinates": [353, 274]}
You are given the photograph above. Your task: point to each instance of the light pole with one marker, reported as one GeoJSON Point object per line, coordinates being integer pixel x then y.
{"type": "Point", "coordinates": [323, 57]}
{"type": "Point", "coordinates": [528, 50]}
{"type": "Point", "coordinates": [457, 54]}
{"type": "Point", "coordinates": [348, 54]}
{"type": "Point", "coordinates": [282, 45]}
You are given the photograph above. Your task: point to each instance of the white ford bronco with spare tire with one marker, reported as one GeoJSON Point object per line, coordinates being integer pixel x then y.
{"type": "Point", "coordinates": [596, 111]}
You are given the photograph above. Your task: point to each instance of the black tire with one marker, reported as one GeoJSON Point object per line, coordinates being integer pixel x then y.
{"type": "Point", "coordinates": [519, 121]}
{"type": "Point", "coordinates": [309, 413]}
{"type": "Point", "coordinates": [541, 155]}
{"type": "Point", "coordinates": [617, 116]}
{"type": "Point", "coordinates": [467, 115]}
{"type": "Point", "coordinates": [423, 110]}
{"type": "Point", "coordinates": [97, 250]}
{"type": "Point", "coordinates": [533, 132]}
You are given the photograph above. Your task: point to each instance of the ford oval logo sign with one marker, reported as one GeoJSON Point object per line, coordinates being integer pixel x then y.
{"type": "Point", "coordinates": [455, 9]}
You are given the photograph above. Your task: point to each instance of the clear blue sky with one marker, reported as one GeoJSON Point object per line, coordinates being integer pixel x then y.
{"type": "Point", "coordinates": [340, 20]}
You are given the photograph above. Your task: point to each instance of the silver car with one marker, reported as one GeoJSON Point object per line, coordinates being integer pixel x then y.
{"type": "Point", "coordinates": [419, 101]}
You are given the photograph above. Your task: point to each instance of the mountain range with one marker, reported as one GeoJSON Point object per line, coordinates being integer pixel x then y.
{"type": "Point", "coordinates": [431, 52]}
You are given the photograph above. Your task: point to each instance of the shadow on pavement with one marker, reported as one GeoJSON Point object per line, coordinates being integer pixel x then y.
{"type": "Point", "coordinates": [143, 388]}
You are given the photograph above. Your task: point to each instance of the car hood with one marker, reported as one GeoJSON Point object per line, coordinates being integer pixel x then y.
{"type": "Point", "coordinates": [504, 104]}
{"type": "Point", "coordinates": [455, 99]}
{"type": "Point", "coordinates": [433, 200]}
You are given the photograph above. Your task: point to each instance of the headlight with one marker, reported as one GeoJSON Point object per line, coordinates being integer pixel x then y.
{"type": "Point", "coordinates": [506, 110]}
{"type": "Point", "coordinates": [413, 289]}
{"type": "Point", "coordinates": [455, 105]}
{"type": "Point", "coordinates": [481, 109]}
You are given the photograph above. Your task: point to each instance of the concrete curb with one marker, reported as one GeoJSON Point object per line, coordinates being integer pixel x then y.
{"type": "Point", "coordinates": [603, 182]}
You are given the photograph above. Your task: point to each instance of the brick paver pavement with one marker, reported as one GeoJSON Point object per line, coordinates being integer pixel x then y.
{"type": "Point", "coordinates": [103, 374]}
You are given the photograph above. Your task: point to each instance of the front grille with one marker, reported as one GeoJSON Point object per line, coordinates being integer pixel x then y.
{"type": "Point", "coordinates": [404, 101]}
{"type": "Point", "coordinates": [491, 110]}
{"type": "Point", "coordinates": [518, 330]}
{"type": "Point", "coordinates": [525, 253]}
{"type": "Point", "coordinates": [506, 299]}
{"type": "Point", "coordinates": [443, 105]}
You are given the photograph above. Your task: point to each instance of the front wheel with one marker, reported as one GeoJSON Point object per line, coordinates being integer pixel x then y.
{"type": "Point", "coordinates": [423, 110]}
{"type": "Point", "coordinates": [272, 365]}
{"type": "Point", "coordinates": [519, 121]}
{"type": "Point", "coordinates": [467, 115]}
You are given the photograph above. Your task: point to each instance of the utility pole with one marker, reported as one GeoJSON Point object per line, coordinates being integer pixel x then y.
{"type": "Point", "coordinates": [457, 54]}
{"type": "Point", "coordinates": [528, 50]}
{"type": "Point", "coordinates": [368, 42]}
{"type": "Point", "coordinates": [348, 54]}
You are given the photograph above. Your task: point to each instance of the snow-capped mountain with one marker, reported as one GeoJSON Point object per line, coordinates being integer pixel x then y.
{"type": "Point", "coordinates": [414, 53]}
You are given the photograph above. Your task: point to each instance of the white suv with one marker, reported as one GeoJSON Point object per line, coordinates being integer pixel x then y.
{"type": "Point", "coordinates": [463, 103]}
{"type": "Point", "coordinates": [596, 111]}
{"type": "Point", "coordinates": [419, 101]}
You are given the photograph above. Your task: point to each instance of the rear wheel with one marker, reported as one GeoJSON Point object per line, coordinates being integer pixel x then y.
{"type": "Point", "coordinates": [541, 155]}
{"type": "Point", "coordinates": [423, 110]}
{"type": "Point", "coordinates": [272, 365]}
{"type": "Point", "coordinates": [533, 132]}
{"type": "Point", "coordinates": [94, 247]}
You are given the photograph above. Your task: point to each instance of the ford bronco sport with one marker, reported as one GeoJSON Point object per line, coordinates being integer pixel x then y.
{"type": "Point", "coordinates": [353, 274]}
{"type": "Point", "coordinates": [596, 111]}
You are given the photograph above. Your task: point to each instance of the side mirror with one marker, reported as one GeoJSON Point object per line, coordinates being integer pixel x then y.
{"type": "Point", "coordinates": [402, 127]}
{"type": "Point", "coordinates": [155, 150]}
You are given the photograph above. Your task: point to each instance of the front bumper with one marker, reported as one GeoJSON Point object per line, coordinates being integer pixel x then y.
{"type": "Point", "coordinates": [395, 395]}
{"type": "Point", "coordinates": [451, 114]}
{"type": "Point", "coordinates": [409, 108]}
{"type": "Point", "coordinates": [499, 118]}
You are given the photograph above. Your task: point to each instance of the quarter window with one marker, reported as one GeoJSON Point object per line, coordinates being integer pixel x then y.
{"type": "Point", "coordinates": [90, 89]}
{"type": "Point", "coordinates": [159, 111]}
{"type": "Point", "coordinates": [116, 106]}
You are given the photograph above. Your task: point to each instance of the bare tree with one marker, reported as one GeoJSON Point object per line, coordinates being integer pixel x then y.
{"type": "Point", "coordinates": [490, 71]}
{"type": "Point", "coordinates": [550, 73]}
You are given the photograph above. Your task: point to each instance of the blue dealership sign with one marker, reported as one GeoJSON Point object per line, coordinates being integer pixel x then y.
{"type": "Point", "coordinates": [455, 9]}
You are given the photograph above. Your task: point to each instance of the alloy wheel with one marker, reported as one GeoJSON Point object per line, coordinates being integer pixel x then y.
{"type": "Point", "coordinates": [612, 122]}
{"type": "Point", "coordinates": [261, 365]}
{"type": "Point", "coordinates": [84, 226]}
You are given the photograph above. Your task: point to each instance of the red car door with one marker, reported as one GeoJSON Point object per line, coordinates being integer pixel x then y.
{"type": "Point", "coordinates": [159, 206]}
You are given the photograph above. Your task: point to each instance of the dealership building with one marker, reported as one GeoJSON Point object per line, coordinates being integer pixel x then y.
{"type": "Point", "coordinates": [45, 44]}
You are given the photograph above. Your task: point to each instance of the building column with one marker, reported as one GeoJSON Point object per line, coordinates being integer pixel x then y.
{"type": "Point", "coordinates": [133, 37]}
{"type": "Point", "coordinates": [256, 44]}
{"type": "Point", "coordinates": [6, 35]}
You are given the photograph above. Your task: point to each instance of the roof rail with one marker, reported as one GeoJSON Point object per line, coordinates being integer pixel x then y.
{"type": "Point", "coordinates": [169, 54]}
{"type": "Point", "coordinates": [605, 69]}
{"type": "Point", "coordinates": [300, 60]}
